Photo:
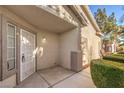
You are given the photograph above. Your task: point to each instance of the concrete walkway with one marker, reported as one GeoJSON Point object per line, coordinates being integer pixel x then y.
{"type": "Point", "coordinates": [58, 77]}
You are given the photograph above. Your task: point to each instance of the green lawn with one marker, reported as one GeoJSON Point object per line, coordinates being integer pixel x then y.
{"type": "Point", "coordinates": [107, 73]}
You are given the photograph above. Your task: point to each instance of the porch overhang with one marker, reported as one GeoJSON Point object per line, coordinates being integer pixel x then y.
{"type": "Point", "coordinates": [40, 18]}
{"type": "Point", "coordinates": [79, 15]}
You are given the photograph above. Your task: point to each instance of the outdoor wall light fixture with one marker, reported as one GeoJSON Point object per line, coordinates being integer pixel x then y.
{"type": "Point", "coordinates": [43, 40]}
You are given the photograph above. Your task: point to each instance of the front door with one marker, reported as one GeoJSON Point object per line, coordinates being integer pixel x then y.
{"type": "Point", "coordinates": [27, 59]}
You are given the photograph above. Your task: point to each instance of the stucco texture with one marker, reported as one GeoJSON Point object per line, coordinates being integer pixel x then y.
{"type": "Point", "coordinates": [48, 50]}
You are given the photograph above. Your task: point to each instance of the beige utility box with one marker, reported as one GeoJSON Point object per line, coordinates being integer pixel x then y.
{"type": "Point", "coordinates": [76, 62]}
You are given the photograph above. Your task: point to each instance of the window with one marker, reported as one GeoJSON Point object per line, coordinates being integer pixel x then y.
{"type": "Point", "coordinates": [8, 48]}
{"type": "Point", "coordinates": [11, 46]}
{"type": "Point", "coordinates": [110, 49]}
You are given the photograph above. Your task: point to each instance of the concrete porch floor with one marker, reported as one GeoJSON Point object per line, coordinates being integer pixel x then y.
{"type": "Point", "coordinates": [58, 77]}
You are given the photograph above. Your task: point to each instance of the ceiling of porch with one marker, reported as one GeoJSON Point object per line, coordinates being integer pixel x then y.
{"type": "Point", "coordinates": [40, 18]}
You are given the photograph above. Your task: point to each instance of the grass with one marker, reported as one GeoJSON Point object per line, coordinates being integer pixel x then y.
{"type": "Point", "coordinates": [107, 74]}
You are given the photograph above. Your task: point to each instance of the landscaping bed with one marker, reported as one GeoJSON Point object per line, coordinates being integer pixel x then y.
{"type": "Point", "coordinates": [107, 73]}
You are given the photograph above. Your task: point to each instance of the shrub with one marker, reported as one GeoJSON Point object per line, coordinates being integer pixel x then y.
{"type": "Point", "coordinates": [121, 52]}
{"type": "Point", "coordinates": [107, 74]}
{"type": "Point", "coordinates": [118, 55]}
{"type": "Point", "coordinates": [115, 57]}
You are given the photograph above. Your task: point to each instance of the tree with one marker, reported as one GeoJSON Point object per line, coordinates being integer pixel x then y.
{"type": "Point", "coordinates": [107, 24]}
{"type": "Point", "coordinates": [108, 27]}
{"type": "Point", "coordinates": [121, 20]}
{"type": "Point", "coordinates": [101, 18]}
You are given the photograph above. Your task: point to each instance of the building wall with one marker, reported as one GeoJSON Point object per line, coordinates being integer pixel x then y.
{"type": "Point", "coordinates": [93, 42]}
{"type": "Point", "coordinates": [68, 43]}
{"type": "Point", "coordinates": [48, 50]}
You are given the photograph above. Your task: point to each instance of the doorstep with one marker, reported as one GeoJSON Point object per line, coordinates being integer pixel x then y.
{"type": "Point", "coordinates": [33, 81]}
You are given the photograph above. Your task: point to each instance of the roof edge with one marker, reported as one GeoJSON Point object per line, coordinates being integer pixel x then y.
{"type": "Point", "coordinates": [92, 19]}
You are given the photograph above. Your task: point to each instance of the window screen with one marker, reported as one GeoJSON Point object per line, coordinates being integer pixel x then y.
{"type": "Point", "coordinates": [11, 46]}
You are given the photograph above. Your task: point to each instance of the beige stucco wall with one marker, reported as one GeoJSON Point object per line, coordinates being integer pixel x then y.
{"type": "Point", "coordinates": [47, 54]}
{"type": "Point", "coordinates": [68, 43]}
{"type": "Point", "coordinates": [9, 82]}
{"type": "Point", "coordinates": [93, 42]}
{"type": "Point", "coordinates": [96, 47]}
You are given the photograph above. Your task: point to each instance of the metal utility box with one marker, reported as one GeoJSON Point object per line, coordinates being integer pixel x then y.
{"type": "Point", "coordinates": [76, 62]}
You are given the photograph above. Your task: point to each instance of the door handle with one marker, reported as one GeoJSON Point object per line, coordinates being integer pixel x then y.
{"type": "Point", "coordinates": [23, 58]}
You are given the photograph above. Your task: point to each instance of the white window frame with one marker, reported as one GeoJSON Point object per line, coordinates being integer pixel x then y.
{"type": "Point", "coordinates": [8, 59]}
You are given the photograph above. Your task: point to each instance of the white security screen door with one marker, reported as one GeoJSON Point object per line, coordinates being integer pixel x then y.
{"type": "Point", "coordinates": [27, 59]}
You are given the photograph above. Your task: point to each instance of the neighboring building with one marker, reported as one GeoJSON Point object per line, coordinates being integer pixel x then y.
{"type": "Point", "coordinates": [110, 47]}
{"type": "Point", "coordinates": [38, 37]}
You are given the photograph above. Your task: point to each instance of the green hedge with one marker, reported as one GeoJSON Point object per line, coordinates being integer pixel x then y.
{"type": "Point", "coordinates": [107, 74]}
{"type": "Point", "coordinates": [115, 57]}
{"type": "Point", "coordinates": [118, 55]}
{"type": "Point", "coordinates": [121, 52]}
